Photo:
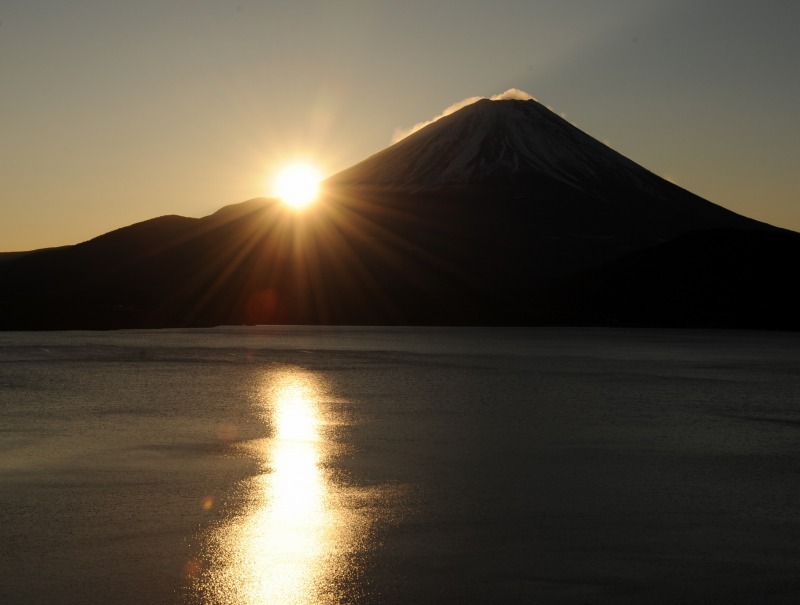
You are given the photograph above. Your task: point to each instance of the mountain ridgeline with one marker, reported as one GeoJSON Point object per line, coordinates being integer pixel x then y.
{"type": "Point", "coordinates": [501, 213]}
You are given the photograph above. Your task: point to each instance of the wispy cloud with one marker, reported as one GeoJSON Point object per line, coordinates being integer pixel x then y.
{"type": "Point", "coordinates": [512, 94]}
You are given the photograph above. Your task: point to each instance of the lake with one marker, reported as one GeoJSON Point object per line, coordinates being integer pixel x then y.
{"type": "Point", "coordinates": [292, 465]}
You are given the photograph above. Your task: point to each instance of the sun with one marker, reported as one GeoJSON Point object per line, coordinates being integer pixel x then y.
{"type": "Point", "coordinates": [297, 184]}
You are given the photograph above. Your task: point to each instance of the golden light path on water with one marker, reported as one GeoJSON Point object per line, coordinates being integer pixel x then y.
{"type": "Point", "coordinates": [290, 545]}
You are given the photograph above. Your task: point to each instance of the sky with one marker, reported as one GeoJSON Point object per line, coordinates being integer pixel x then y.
{"type": "Point", "coordinates": [114, 112]}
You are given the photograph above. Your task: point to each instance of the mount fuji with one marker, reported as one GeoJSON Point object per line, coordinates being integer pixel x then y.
{"type": "Point", "coordinates": [519, 149]}
{"type": "Point", "coordinates": [499, 213]}
{"type": "Point", "coordinates": [513, 191]}
{"type": "Point", "coordinates": [498, 142]}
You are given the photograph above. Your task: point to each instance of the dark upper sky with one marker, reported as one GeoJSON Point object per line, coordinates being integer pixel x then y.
{"type": "Point", "coordinates": [114, 112]}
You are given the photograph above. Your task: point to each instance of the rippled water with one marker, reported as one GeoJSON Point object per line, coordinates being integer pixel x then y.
{"type": "Point", "coordinates": [405, 465]}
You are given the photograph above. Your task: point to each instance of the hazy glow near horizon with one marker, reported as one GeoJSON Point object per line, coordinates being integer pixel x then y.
{"type": "Point", "coordinates": [297, 184]}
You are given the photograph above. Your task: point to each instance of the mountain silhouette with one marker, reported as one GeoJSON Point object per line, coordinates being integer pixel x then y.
{"type": "Point", "coordinates": [500, 213]}
{"type": "Point", "coordinates": [562, 196]}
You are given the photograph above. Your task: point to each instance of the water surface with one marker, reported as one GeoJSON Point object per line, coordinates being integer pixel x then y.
{"type": "Point", "coordinates": [399, 465]}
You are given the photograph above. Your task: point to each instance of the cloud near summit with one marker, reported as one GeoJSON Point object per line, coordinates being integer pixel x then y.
{"type": "Point", "coordinates": [512, 94]}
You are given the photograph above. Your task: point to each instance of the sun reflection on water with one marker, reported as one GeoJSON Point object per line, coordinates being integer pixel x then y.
{"type": "Point", "coordinates": [286, 548]}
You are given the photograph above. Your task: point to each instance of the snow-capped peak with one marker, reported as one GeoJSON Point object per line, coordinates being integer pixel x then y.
{"type": "Point", "coordinates": [494, 141]}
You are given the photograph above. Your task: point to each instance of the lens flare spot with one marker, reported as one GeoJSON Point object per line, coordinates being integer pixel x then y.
{"type": "Point", "coordinates": [193, 568]}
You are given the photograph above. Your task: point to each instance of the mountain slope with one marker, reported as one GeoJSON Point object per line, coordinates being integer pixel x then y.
{"type": "Point", "coordinates": [495, 142]}
{"type": "Point", "coordinates": [716, 278]}
{"type": "Point", "coordinates": [255, 262]}
{"type": "Point", "coordinates": [521, 148]}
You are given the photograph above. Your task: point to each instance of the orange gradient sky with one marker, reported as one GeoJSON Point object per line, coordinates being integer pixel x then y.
{"type": "Point", "coordinates": [113, 113]}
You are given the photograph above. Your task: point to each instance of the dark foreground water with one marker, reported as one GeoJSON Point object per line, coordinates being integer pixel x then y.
{"type": "Point", "coordinates": [369, 465]}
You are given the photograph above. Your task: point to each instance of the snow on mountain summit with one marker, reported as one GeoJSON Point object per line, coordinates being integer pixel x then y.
{"type": "Point", "coordinates": [504, 141]}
